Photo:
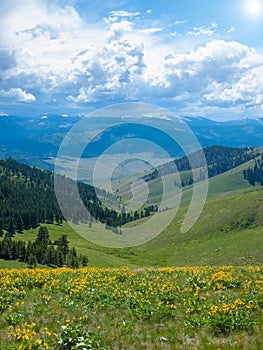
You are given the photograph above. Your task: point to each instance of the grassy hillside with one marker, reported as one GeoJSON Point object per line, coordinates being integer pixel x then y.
{"type": "Point", "coordinates": [229, 230]}
{"type": "Point", "coordinates": [97, 257]}
{"type": "Point", "coordinates": [224, 185]}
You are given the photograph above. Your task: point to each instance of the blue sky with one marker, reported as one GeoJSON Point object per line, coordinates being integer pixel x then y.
{"type": "Point", "coordinates": [194, 57]}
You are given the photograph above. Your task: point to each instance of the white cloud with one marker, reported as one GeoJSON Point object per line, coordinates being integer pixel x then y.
{"type": "Point", "coordinates": [18, 94]}
{"type": "Point", "coordinates": [248, 89]}
{"type": "Point", "coordinates": [115, 16]}
{"type": "Point", "coordinates": [206, 31]}
{"type": "Point", "coordinates": [52, 52]}
{"type": "Point", "coordinates": [218, 72]}
{"type": "Point", "coordinates": [117, 29]}
{"type": "Point", "coordinates": [151, 30]}
{"type": "Point", "coordinates": [232, 29]}
{"type": "Point", "coordinates": [109, 71]}
{"type": "Point", "coordinates": [124, 14]}
{"type": "Point", "coordinates": [179, 22]}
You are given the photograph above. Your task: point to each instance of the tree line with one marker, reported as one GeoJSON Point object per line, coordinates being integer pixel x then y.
{"type": "Point", "coordinates": [42, 251]}
{"type": "Point", "coordinates": [219, 159]}
{"type": "Point", "coordinates": [27, 199]}
{"type": "Point", "coordinates": [255, 175]}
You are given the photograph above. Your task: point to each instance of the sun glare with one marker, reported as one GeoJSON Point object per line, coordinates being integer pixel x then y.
{"type": "Point", "coordinates": [253, 8]}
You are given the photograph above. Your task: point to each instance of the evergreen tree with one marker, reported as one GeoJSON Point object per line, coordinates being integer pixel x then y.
{"type": "Point", "coordinates": [19, 224]}
{"type": "Point", "coordinates": [11, 228]}
{"type": "Point", "coordinates": [1, 229]}
{"type": "Point", "coordinates": [32, 261]}
{"type": "Point", "coordinates": [63, 245]}
{"type": "Point", "coordinates": [42, 236]}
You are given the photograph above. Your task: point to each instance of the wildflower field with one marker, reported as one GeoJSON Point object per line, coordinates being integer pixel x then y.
{"type": "Point", "coordinates": [165, 308]}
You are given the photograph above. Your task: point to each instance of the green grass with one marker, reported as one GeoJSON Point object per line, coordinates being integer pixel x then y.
{"type": "Point", "coordinates": [228, 231]}
{"type": "Point", "coordinates": [5, 264]}
{"type": "Point", "coordinates": [229, 183]}
{"type": "Point", "coordinates": [223, 185]}
{"type": "Point", "coordinates": [97, 257]}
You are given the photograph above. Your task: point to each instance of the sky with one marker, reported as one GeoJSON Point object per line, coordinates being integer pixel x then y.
{"type": "Point", "coordinates": [193, 57]}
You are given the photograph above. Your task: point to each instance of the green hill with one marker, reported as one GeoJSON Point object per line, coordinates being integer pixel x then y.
{"type": "Point", "coordinates": [228, 231]}
{"type": "Point", "coordinates": [220, 160]}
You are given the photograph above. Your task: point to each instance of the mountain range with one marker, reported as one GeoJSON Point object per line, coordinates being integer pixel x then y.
{"type": "Point", "coordinates": [36, 140]}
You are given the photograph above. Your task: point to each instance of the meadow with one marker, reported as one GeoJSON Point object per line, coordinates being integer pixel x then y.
{"type": "Point", "coordinates": [123, 308]}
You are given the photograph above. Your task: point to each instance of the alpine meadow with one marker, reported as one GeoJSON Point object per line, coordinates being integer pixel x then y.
{"type": "Point", "coordinates": [131, 175]}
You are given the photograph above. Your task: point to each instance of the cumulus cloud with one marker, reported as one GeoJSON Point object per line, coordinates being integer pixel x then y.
{"type": "Point", "coordinates": [39, 30]}
{"type": "Point", "coordinates": [53, 52]}
{"type": "Point", "coordinates": [18, 94]}
{"type": "Point", "coordinates": [7, 59]}
{"type": "Point", "coordinates": [218, 72]}
{"type": "Point", "coordinates": [110, 70]}
{"type": "Point", "coordinates": [248, 89]}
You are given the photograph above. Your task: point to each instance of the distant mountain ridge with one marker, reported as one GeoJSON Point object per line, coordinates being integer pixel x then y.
{"type": "Point", "coordinates": [233, 133]}
{"type": "Point", "coordinates": [35, 139]}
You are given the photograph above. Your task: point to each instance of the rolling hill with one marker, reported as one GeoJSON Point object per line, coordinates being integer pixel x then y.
{"type": "Point", "coordinates": [220, 160]}
{"type": "Point", "coordinates": [228, 231]}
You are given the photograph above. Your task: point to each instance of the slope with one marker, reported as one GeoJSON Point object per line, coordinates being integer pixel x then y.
{"type": "Point", "coordinates": [227, 183]}
{"type": "Point", "coordinates": [228, 231]}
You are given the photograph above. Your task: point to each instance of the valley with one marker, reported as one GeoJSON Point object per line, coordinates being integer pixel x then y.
{"type": "Point", "coordinates": [119, 283]}
{"type": "Point", "coordinates": [227, 231]}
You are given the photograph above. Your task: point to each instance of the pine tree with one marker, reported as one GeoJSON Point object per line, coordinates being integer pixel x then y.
{"type": "Point", "coordinates": [63, 245]}
{"type": "Point", "coordinates": [84, 260]}
{"type": "Point", "coordinates": [11, 228]}
{"type": "Point", "coordinates": [42, 236]}
{"type": "Point", "coordinates": [1, 229]}
{"type": "Point", "coordinates": [32, 261]}
{"type": "Point", "coordinates": [19, 224]}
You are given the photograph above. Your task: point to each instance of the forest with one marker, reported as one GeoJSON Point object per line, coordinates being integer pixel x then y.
{"type": "Point", "coordinates": [42, 251]}
{"type": "Point", "coordinates": [219, 159]}
{"type": "Point", "coordinates": [255, 175]}
{"type": "Point", "coordinates": [27, 199]}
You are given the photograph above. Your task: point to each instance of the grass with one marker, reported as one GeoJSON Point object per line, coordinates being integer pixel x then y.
{"type": "Point", "coordinates": [223, 185]}
{"type": "Point", "coordinates": [228, 231]}
{"type": "Point", "coordinates": [98, 258]}
{"type": "Point", "coordinates": [5, 264]}
{"type": "Point", "coordinates": [135, 307]}
{"type": "Point", "coordinates": [168, 308]}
